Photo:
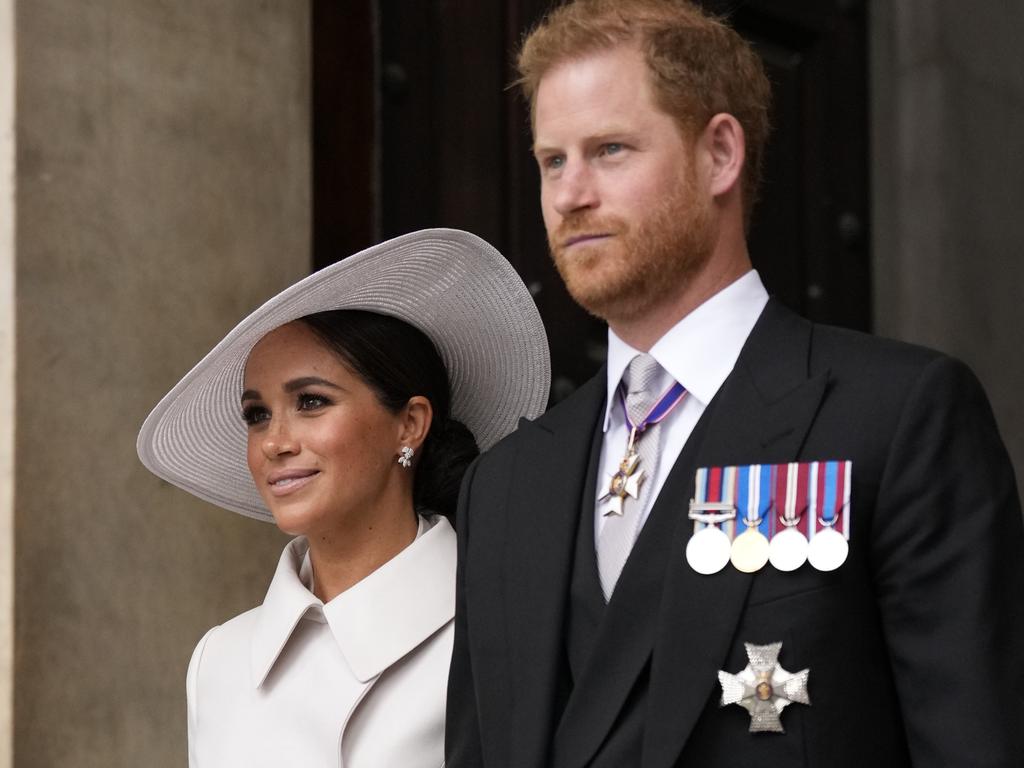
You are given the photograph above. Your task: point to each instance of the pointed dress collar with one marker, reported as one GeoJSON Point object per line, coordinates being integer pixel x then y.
{"type": "Point", "coordinates": [376, 621]}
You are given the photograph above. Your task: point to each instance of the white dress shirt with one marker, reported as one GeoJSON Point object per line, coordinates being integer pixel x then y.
{"type": "Point", "coordinates": [699, 352]}
{"type": "Point", "coordinates": [359, 682]}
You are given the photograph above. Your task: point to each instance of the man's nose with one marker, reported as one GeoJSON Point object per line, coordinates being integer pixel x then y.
{"type": "Point", "coordinates": [575, 189]}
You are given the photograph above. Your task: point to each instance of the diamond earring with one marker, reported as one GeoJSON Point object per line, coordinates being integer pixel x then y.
{"type": "Point", "coordinates": [406, 458]}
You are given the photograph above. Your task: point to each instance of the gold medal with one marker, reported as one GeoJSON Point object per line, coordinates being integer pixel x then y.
{"type": "Point", "coordinates": [749, 551]}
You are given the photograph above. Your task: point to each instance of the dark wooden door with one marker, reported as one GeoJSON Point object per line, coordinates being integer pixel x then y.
{"type": "Point", "coordinates": [414, 126]}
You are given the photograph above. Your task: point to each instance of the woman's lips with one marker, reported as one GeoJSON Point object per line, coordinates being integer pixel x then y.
{"type": "Point", "coordinates": [289, 481]}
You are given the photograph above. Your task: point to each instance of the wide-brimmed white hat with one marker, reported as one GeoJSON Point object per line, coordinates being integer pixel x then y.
{"type": "Point", "coordinates": [452, 285]}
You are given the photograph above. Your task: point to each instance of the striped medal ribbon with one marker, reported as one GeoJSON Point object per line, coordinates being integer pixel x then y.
{"type": "Point", "coordinates": [830, 531]}
{"type": "Point", "coordinates": [749, 551]}
{"type": "Point", "coordinates": [788, 548]}
{"type": "Point", "coordinates": [713, 510]}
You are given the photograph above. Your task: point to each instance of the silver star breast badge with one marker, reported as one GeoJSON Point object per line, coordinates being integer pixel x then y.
{"type": "Point", "coordinates": [764, 688]}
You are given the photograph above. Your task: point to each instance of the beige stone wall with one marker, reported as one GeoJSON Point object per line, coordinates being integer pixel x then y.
{"type": "Point", "coordinates": [948, 105]}
{"type": "Point", "coordinates": [6, 379]}
{"type": "Point", "coordinates": [163, 191]}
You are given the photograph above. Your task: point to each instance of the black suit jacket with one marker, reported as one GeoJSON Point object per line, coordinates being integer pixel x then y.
{"type": "Point", "coordinates": [915, 644]}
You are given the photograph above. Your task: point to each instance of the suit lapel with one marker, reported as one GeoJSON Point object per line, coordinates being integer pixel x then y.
{"type": "Point", "coordinates": [544, 512]}
{"type": "Point", "coordinates": [761, 415]}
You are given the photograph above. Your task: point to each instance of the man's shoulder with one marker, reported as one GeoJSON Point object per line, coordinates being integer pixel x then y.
{"type": "Point", "coordinates": [880, 378]}
{"type": "Point", "coordinates": [873, 377]}
{"type": "Point", "coordinates": [847, 352]}
{"type": "Point", "coordinates": [843, 348]}
{"type": "Point", "coordinates": [886, 368]}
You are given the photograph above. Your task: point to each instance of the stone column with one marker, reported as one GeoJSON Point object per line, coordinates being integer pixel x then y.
{"type": "Point", "coordinates": [162, 193]}
{"type": "Point", "coordinates": [948, 167]}
{"type": "Point", "coordinates": [7, 216]}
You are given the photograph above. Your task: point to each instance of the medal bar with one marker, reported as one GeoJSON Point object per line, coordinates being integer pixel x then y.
{"type": "Point", "coordinates": [783, 514]}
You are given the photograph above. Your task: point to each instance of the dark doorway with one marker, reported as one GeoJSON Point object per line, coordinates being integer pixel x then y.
{"type": "Point", "coordinates": [414, 127]}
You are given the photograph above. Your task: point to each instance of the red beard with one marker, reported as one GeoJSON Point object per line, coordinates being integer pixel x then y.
{"type": "Point", "coordinates": [619, 277]}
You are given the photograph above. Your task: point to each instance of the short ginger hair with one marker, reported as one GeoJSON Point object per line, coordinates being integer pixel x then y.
{"type": "Point", "coordinates": [698, 65]}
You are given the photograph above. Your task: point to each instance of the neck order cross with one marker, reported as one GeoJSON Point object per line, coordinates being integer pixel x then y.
{"type": "Point", "coordinates": [639, 414]}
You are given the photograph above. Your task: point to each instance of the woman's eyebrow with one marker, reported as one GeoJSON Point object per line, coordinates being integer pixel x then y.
{"type": "Point", "coordinates": [296, 384]}
{"type": "Point", "coordinates": [293, 386]}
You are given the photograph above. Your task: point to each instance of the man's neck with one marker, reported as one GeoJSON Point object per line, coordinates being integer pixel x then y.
{"type": "Point", "coordinates": [643, 331]}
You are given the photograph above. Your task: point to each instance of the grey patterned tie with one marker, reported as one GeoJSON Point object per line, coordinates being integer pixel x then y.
{"type": "Point", "coordinates": [620, 531]}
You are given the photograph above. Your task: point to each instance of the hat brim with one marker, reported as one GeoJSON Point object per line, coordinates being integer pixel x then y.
{"type": "Point", "coordinates": [450, 284]}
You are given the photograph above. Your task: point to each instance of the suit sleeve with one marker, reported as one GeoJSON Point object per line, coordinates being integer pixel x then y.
{"type": "Point", "coordinates": [948, 561]}
{"type": "Point", "coordinates": [462, 725]}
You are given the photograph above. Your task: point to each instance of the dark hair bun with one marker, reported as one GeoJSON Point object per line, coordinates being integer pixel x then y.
{"type": "Point", "coordinates": [446, 454]}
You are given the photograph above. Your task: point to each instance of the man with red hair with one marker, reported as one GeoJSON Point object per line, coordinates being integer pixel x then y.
{"type": "Point", "coordinates": [750, 540]}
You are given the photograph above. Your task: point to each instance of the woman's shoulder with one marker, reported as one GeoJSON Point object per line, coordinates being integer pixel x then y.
{"type": "Point", "coordinates": [225, 645]}
{"type": "Point", "coordinates": [236, 633]}
{"type": "Point", "coordinates": [225, 652]}
{"type": "Point", "coordinates": [236, 630]}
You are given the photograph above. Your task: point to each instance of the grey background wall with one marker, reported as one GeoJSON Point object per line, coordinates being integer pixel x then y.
{"type": "Point", "coordinates": [163, 191]}
{"type": "Point", "coordinates": [6, 379]}
{"type": "Point", "coordinates": [948, 186]}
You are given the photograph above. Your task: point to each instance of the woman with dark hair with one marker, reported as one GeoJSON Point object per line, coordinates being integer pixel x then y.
{"type": "Point", "coordinates": [346, 410]}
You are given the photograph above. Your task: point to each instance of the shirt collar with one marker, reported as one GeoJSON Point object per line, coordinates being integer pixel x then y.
{"type": "Point", "coordinates": [701, 349]}
{"type": "Point", "coordinates": [374, 622]}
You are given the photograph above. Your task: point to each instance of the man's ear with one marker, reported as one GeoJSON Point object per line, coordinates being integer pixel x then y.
{"type": "Point", "coordinates": [415, 420]}
{"type": "Point", "coordinates": [725, 146]}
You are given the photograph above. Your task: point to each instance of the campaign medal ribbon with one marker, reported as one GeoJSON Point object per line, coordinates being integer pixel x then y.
{"type": "Point", "coordinates": [627, 480]}
{"type": "Point", "coordinates": [749, 550]}
{"type": "Point", "coordinates": [713, 505]}
{"type": "Point", "coordinates": [829, 547]}
{"type": "Point", "coordinates": [788, 548]}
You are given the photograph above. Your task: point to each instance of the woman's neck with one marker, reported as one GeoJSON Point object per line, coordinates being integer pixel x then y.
{"type": "Point", "coordinates": [343, 558]}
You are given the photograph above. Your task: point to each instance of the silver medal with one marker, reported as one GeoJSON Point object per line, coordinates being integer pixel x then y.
{"type": "Point", "coordinates": [707, 551]}
{"type": "Point", "coordinates": [749, 551]}
{"type": "Point", "coordinates": [788, 549]}
{"type": "Point", "coordinates": [764, 688]}
{"type": "Point", "coordinates": [828, 549]}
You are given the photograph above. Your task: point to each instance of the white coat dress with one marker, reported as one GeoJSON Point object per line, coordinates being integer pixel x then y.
{"type": "Point", "coordinates": [359, 682]}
